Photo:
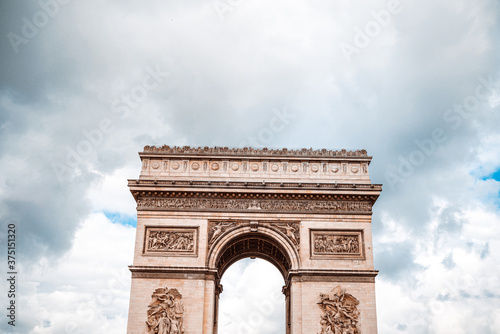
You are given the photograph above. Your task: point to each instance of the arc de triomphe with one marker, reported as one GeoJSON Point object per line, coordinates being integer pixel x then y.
{"type": "Point", "coordinates": [306, 211]}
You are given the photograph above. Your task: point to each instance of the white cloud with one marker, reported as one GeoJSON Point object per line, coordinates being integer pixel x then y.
{"type": "Point", "coordinates": [111, 193]}
{"type": "Point", "coordinates": [463, 297]}
{"type": "Point", "coordinates": [85, 291]}
{"type": "Point", "coordinates": [252, 301]}
{"type": "Point", "coordinates": [225, 79]}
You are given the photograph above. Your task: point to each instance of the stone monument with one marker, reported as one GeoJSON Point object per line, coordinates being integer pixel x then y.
{"type": "Point", "coordinates": [306, 211]}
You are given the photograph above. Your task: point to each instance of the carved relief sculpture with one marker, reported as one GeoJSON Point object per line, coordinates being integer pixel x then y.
{"type": "Point", "coordinates": [337, 243]}
{"type": "Point", "coordinates": [166, 312]}
{"type": "Point", "coordinates": [291, 230]}
{"type": "Point", "coordinates": [247, 204]}
{"type": "Point", "coordinates": [217, 228]}
{"type": "Point", "coordinates": [340, 313]}
{"type": "Point", "coordinates": [334, 244]}
{"type": "Point", "coordinates": [170, 240]}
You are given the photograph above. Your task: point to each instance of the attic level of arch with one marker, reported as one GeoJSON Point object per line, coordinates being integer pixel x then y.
{"type": "Point", "coordinates": [346, 169]}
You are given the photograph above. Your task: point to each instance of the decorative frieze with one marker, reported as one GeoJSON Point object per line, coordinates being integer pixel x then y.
{"type": "Point", "coordinates": [170, 241]}
{"type": "Point", "coordinates": [242, 204]}
{"type": "Point", "coordinates": [337, 243]}
{"type": "Point", "coordinates": [166, 312]}
{"type": "Point", "coordinates": [340, 313]}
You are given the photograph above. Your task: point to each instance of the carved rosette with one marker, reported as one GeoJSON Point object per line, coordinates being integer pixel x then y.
{"type": "Point", "coordinates": [340, 313]}
{"type": "Point", "coordinates": [166, 312]}
{"type": "Point", "coordinates": [166, 240]}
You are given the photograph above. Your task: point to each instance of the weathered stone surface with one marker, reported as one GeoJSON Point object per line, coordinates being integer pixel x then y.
{"type": "Point", "coordinates": [201, 209]}
{"type": "Point", "coordinates": [184, 163]}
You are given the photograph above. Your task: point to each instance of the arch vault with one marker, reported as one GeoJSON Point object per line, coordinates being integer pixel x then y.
{"type": "Point", "coordinates": [306, 211]}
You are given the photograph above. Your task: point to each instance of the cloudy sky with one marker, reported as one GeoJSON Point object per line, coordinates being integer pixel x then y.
{"type": "Point", "coordinates": [85, 85]}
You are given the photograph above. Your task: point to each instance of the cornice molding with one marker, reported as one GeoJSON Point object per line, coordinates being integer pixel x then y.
{"type": "Point", "coordinates": [173, 272]}
{"type": "Point", "coordinates": [318, 275]}
{"type": "Point", "coordinates": [251, 195]}
{"type": "Point", "coordinates": [302, 275]}
{"type": "Point", "coordinates": [251, 185]}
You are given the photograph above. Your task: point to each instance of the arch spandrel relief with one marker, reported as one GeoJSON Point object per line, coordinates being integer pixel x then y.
{"type": "Point", "coordinates": [266, 232]}
{"type": "Point", "coordinates": [290, 229]}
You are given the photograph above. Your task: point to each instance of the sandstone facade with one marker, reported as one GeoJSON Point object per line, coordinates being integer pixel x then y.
{"type": "Point", "coordinates": [201, 209]}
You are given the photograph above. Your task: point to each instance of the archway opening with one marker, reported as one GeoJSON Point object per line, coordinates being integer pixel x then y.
{"type": "Point", "coordinates": [252, 301]}
{"type": "Point", "coordinates": [280, 257]}
{"type": "Point", "coordinates": [253, 245]}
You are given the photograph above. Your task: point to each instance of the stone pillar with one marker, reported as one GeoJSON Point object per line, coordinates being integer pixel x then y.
{"type": "Point", "coordinates": [218, 291]}
{"type": "Point", "coordinates": [286, 292]}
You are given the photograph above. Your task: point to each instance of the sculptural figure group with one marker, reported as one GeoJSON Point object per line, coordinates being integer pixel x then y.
{"type": "Point", "coordinates": [340, 314]}
{"type": "Point", "coordinates": [170, 241]}
{"type": "Point", "coordinates": [336, 244]}
{"type": "Point", "coordinates": [165, 313]}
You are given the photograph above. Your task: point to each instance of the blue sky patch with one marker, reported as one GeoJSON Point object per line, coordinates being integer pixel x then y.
{"type": "Point", "coordinates": [495, 176]}
{"type": "Point", "coordinates": [122, 219]}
